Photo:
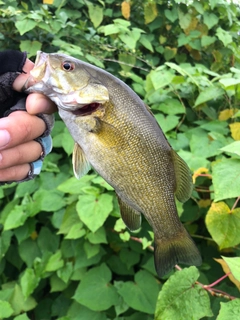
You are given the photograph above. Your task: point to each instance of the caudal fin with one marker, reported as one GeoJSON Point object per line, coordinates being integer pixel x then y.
{"type": "Point", "coordinates": [169, 252]}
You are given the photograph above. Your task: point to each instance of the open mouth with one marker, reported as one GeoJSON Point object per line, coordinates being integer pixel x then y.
{"type": "Point", "coordinates": [86, 110]}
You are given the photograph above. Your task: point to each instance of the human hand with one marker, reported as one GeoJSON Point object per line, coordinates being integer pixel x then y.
{"type": "Point", "coordinates": [18, 149]}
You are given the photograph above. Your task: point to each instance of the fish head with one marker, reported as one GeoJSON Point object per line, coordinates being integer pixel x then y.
{"type": "Point", "coordinates": [67, 82]}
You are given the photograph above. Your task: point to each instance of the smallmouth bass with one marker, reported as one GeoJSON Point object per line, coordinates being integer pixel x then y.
{"type": "Point", "coordinates": [117, 135]}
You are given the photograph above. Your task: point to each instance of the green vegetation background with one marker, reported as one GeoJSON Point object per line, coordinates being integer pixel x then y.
{"type": "Point", "coordinates": [64, 251]}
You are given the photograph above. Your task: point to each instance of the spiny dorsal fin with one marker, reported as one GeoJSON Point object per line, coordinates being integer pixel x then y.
{"type": "Point", "coordinates": [131, 217]}
{"type": "Point", "coordinates": [80, 163]}
{"type": "Point", "coordinates": [184, 183]}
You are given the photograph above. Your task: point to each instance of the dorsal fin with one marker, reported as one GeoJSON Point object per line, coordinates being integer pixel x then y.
{"type": "Point", "coordinates": [183, 174]}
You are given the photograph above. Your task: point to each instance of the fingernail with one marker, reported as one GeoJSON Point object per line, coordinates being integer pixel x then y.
{"type": "Point", "coordinates": [4, 138]}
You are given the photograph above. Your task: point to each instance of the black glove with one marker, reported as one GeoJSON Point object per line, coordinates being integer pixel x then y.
{"type": "Point", "coordinates": [11, 64]}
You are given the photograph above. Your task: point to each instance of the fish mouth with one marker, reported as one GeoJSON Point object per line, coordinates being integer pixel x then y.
{"type": "Point", "coordinates": [87, 109]}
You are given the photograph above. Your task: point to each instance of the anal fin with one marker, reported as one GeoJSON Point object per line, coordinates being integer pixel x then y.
{"type": "Point", "coordinates": [81, 165]}
{"type": "Point", "coordinates": [130, 216]}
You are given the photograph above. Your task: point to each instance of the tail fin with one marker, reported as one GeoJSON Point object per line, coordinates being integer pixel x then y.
{"type": "Point", "coordinates": [169, 252]}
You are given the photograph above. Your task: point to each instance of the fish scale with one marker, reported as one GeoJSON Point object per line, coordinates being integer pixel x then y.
{"type": "Point", "coordinates": [122, 141]}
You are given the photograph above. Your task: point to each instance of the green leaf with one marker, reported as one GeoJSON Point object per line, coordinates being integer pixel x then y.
{"type": "Point", "coordinates": [49, 201]}
{"type": "Point", "coordinates": [97, 237]}
{"type": "Point", "coordinates": [95, 14]}
{"type": "Point", "coordinates": [31, 47]}
{"type": "Point", "coordinates": [224, 36]}
{"type": "Point", "coordinates": [226, 180]}
{"type": "Point", "coordinates": [234, 266]}
{"type": "Point", "coordinates": [171, 106]}
{"type": "Point", "coordinates": [5, 309]}
{"type": "Point", "coordinates": [25, 25]}
{"type": "Point", "coordinates": [94, 211]}
{"type": "Point", "coordinates": [67, 142]}
{"type": "Point", "coordinates": [18, 301]}
{"type": "Point", "coordinates": [207, 41]}
{"type": "Point", "coordinates": [77, 311]}
{"type": "Point", "coordinates": [210, 93]}
{"type": "Point", "coordinates": [204, 146]}
{"type": "Point", "coordinates": [194, 162]}
{"type": "Point", "coordinates": [167, 123]}
{"type": "Point", "coordinates": [150, 12]}
{"type": "Point", "coordinates": [161, 78]}
{"type": "Point", "coordinates": [142, 294]}
{"type": "Point", "coordinates": [233, 148]}
{"type": "Point", "coordinates": [210, 19]}
{"type": "Point", "coordinates": [95, 291]}
{"type": "Point", "coordinates": [22, 317]}
{"type": "Point", "coordinates": [55, 262]}
{"type": "Point", "coordinates": [74, 186]}
{"type": "Point", "coordinates": [29, 281]}
{"type": "Point", "coordinates": [229, 310]}
{"type": "Point", "coordinates": [223, 225]}
{"type": "Point", "coordinates": [227, 82]}
{"type": "Point", "coordinates": [16, 217]}
{"type": "Point", "coordinates": [182, 298]}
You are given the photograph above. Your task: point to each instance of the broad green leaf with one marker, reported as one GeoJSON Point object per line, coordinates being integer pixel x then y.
{"type": "Point", "coordinates": [31, 47]}
{"type": "Point", "coordinates": [77, 312]}
{"type": "Point", "coordinates": [22, 317]}
{"type": "Point", "coordinates": [171, 107]}
{"type": "Point", "coordinates": [223, 225]}
{"type": "Point", "coordinates": [210, 19]}
{"type": "Point", "coordinates": [91, 249]}
{"type": "Point", "coordinates": [5, 309]}
{"type": "Point", "coordinates": [210, 93]}
{"type": "Point", "coordinates": [48, 201]}
{"type": "Point", "coordinates": [16, 217]}
{"type": "Point", "coordinates": [141, 294]}
{"type": "Point", "coordinates": [5, 240]}
{"type": "Point", "coordinates": [207, 41]}
{"type": "Point", "coordinates": [95, 291]}
{"type": "Point", "coordinates": [194, 162]}
{"type": "Point", "coordinates": [94, 211]}
{"type": "Point", "coordinates": [234, 264]}
{"type": "Point", "coordinates": [57, 284]}
{"type": "Point", "coordinates": [65, 272]}
{"type": "Point", "coordinates": [167, 123]}
{"type": "Point", "coordinates": [224, 36]}
{"type": "Point", "coordinates": [25, 25]}
{"type": "Point", "coordinates": [55, 262]}
{"type": "Point", "coordinates": [95, 14]}
{"type": "Point", "coordinates": [29, 281]}
{"type": "Point", "coordinates": [229, 310]}
{"type": "Point", "coordinates": [233, 147]}
{"type": "Point", "coordinates": [18, 301]}
{"type": "Point", "coordinates": [97, 237]}
{"type": "Point", "coordinates": [205, 146]}
{"type": "Point", "coordinates": [67, 142]}
{"type": "Point", "coordinates": [184, 19]}
{"type": "Point", "coordinates": [181, 298]}
{"type": "Point", "coordinates": [28, 251]}
{"type": "Point", "coordinates": [226, 179]}
{"type": "Point", "coordinates": [172, 15]}
{"type": "Point", "coordinates": [227, 82]}
{"type": "Point", "coordinates": [150, 12]}
{"type": "Point", "coordinates": [161, 78]}
{"type": "Point", "coordinates": [74, 186]}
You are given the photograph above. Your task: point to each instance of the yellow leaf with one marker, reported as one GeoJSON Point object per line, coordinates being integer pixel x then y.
{"type": "Point", "coordinates": [150, 12]}
{"type": "Point", "coordinates": [198, 172]}
{"type": "Point", "coordinates": [204, 203]}
{"type": "Point", "coordinates": [227, 114]}
{"type": "Point", "coordinates": [126, 9]}
{"type": "Point", "coordinates": [48, 1]}
{"type": "Point", "coordinates": [34, 235]}
{"type": "Point", "coordinates": [227, 270]}
{"type": "Point", "coordinates": [235, 130]}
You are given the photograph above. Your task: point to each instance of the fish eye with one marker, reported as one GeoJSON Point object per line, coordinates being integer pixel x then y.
{"type": "Point", "coordinates": [68, 66]}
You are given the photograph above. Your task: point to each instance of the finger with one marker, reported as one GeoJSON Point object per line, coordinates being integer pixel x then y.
{"type": "Point", "coordinates": [38, 103]}
{"type": "Point", "coordinates": [20, 154]}
{"type": "Point", "coordinates": [21, 127]}
{"type": "Point", "coordinates": [15, 173]}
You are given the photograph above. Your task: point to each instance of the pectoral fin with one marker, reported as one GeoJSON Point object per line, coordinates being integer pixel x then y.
{"type": "Point", "coordinates": [131, 217]}
{"type": "Point", "coordinates": [184, 183]}
{"type": "Point", "coordinates": [80, 163]}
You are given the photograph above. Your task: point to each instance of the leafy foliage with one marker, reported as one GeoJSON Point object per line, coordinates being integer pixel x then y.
{"type": "Point", "coordinates": [64, 251]}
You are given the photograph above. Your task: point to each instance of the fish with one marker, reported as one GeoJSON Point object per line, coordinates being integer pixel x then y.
{"type": "Point", "coordinates": [117, 135]}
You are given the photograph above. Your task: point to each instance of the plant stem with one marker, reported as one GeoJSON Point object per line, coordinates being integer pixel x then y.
{"type": "Point", "coordinates": [235, 204]}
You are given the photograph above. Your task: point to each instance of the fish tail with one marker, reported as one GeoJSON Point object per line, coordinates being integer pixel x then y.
{"type": "Point", "coordinates": [180, 249]}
